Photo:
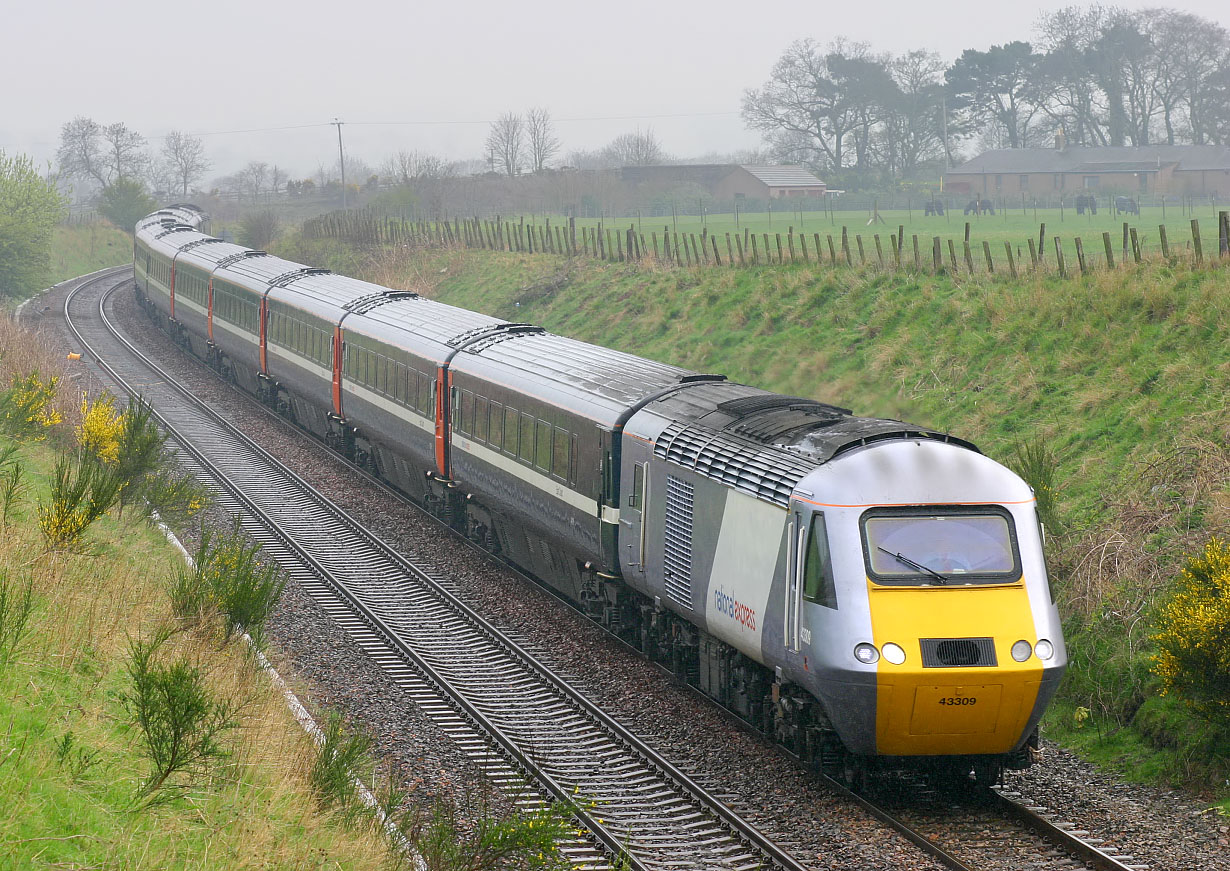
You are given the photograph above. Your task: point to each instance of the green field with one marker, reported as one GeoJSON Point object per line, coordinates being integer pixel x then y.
{"type": "Point", "coordinates": [1011, 225]}
{"type": "Point", "coordinates": [78, 249]}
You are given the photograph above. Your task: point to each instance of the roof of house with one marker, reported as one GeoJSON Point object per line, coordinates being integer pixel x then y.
{"type": "Point", "coordinates": [784, 176]}
{"type": "Point", "coordinates": [1121, 158]}
{"type": "Point", "coordinates": [712, 173]}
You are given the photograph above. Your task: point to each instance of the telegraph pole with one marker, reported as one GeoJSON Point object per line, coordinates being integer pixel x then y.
{"type": "Point", "coordinates": [341, 157]}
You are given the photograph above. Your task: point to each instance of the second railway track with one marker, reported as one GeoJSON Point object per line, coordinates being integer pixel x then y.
{"type": "Point", "coordinates": [510, 713]}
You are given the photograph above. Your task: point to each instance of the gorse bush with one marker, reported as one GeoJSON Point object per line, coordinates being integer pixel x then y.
{"type": "Point", "coordinates": [228, 579]}
{"type": "Point", "coordinates": [82, 490]}
{"type": "Point", "coordinates": [1193, 638]}
{"type": "Point", "coordinates": [1035, 462]}
{"type": "Point", "coordinates": [101, 427]}
{"type": "Point", "coordinates": [16, 606]}
{"type": "Point", "coordinates": [182, 725]}
{"type": "Point", "coordinates": [341, 758]}
{"type": "Point", "coordinates": [12, 483]}
{"type": "Point", "coordinates": [27, 407]}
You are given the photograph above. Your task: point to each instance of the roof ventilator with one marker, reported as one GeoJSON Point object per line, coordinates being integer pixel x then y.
{"type": "Point", "coordinates": [770, 475]}
{"type": "Point", "coordinates": [487, 335]}
{"type": "Point", "coordinates": [294, 275]}
{"type": "Point", "coordinates": [232, 259]}
{"type": "Point", "coordinates": [366, 303]}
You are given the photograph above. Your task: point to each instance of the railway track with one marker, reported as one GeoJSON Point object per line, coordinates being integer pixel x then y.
{"type": "Point", "coordinates": [517, 720]}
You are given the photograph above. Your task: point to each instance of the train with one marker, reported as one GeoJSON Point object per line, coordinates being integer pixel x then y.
{"type": "Point", "coordinates": [868, 592]}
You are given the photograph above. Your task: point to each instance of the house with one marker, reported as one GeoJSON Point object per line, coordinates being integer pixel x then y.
{"type": "Point", "coordinates": [1172, 170]}
{"type": "Point", "coordinates": [728, 181]}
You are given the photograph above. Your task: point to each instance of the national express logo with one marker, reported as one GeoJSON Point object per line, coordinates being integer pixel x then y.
{"type": "Point", "coordinates": [735, 610]}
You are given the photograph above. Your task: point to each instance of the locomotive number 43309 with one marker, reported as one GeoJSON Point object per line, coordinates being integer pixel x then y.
{"type": "Point", "coordinates": [958, 701]}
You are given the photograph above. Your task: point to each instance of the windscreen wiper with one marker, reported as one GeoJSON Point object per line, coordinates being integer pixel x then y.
{"type": "Point", "coordinates": [916, 566]}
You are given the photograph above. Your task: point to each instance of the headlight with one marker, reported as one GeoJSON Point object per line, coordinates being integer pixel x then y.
{"type": "Point", "coordinates": [1021, 650]}
{"type": "Point", "coordinates": [866, 653]}
{"type": "Point", "coordinates": [1044, 649]}
{"type": "Point", "coordinates": [893, 653]}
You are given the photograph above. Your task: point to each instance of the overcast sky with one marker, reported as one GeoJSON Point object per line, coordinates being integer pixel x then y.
{"type": "Point", "coordinates": [412, 75]}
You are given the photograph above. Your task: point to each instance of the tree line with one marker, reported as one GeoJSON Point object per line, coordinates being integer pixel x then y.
{"type": "Point", "coordinates": [1094, 76]}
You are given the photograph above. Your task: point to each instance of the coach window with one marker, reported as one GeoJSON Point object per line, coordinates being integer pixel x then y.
{"type": "Point", "coordinates": [527, 437]}
{"type": "Point", "coordinates": [638, 486]}
{"type": "Point", "coordinates": [425, 395]}
{"type": "Point", "coordinates": [496, 436]}
{"type": "Point", "coordinates": [543, 454]}
{"type": "Point", "coordinates": [510, 430]}
{"type": "Point", "coordinates": [480, 418]}
{"type": "Point", "coordinates": [818, 583]}
{"type": "Point", "coordinates": [560, 454]}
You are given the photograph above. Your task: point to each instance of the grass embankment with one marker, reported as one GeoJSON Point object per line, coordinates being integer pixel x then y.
{"type": "Point", "coordinates": [73, 761]}
{"type": "Point", "coordinates": [77, 249]}
{"type": "Point", "coordinates": [1121, 378]}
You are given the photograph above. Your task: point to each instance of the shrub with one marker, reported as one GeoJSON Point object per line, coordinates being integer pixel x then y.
{"type": "Point", "coordinates": [228, 578]}
{"type": "Point", "coordinates": [12, 484]}
{"type": "Point", "coordinates": [182, 725]}
{"type": "Point", "coordinates": [101, 427]}
{"type": "Point", "coordinates": [26, 408]}
{"type": "Point", "coordinates": [82, 490]}
{"type": "Point", "coordinates": [1193, 638]}
{"type": "Point", "coordinates": [340, 759]}
{"type": "Point", "coordinates": [1035, 463]}
{"type": "Point", "coordinates": [16, 606]}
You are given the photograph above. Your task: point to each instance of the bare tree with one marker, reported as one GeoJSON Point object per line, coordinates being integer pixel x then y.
{"type": "Point", "coordinates": [252, 178]}
{"type": "Point", "coordinates": [123, 152]}
{"type": "Point", "coordinates": [544, 144]}
{"type": "Point", "coordinates": [277, 178]}
{"type": "Point", "coordinates": [634, 149]}
{"type": "Point", "coordinates": [186, 155]}
{"type": "Point", "coordinates": [80, 153]}
{"type": "Point", "coordinates": [504, 142]}
{"type": "Point", "coordinates": [405, 167]}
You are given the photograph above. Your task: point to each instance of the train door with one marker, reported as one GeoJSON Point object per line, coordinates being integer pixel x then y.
{"type": "Point", "coordinates": [636, 495]}
{"type": "Point", "coordinates": [796, 540]}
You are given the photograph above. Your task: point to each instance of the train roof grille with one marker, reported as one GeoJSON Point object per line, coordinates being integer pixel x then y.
{"type": "Point", "coordinates": [197, 243]}
{"type": "Point", "coordinates": [232, 259]}
{"type": "Point", "coordinates": [176, 228]}
{"type": "Point", "coordinates": [742, 406]}
{"type": "Point", "coordinates": [295, 274]}
{"type": "Point", "coordinates": [485, 336]}
{"type": "Point", "coordinates": [765, 473]}
{"type": "Point", "coordinates": [364, 304]}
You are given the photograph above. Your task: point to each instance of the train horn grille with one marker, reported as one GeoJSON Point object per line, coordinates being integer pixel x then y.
{"type": "Point", "coordinates": [957, 652]}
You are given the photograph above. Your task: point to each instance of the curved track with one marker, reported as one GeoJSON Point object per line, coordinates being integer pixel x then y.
{"type": "Point", "coordinates": [519, 721]}
{"type": "Point", "coordinates": [503, 705]}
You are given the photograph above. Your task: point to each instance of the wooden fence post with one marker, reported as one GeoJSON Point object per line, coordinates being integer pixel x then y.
{"type": "Point", "coordinates": [1223, 234]}
{"type": "Point", "coordinates": [952, 257]}
{"type": "Point", "coordinates": [716, 259]}
{"type": "Point", "coordinates": [845, 246]}
{"type": "Point", "coordinates": [1080, 256]}
{"type": "Point", "coordinates": [1126, 234]}
{"type": "Point", "coordinates": [1196, 242]}
{"type": "Point", "coordinates": [1135, 246]}
{"type": "Point", "coordinates": [879, 251]}
{"type": "Point", "coordinates": [1042, 242]}
{"type": "Point", "coordinates": [1161, 235]}
{"type": "Point", "coordinates": [1011, 260]}
{"type": "Point", "coordinates": [654, 236]}
{"type": "Point", "coordinates": [917, 257]}
{"type": "Point", "coordinates": [755, 252]}
{"type": "Point", "coordinates": [832, 250]}
{"type": "Point", "coordinates": [779, 248]}
{"type": "Point", "coordinates": [819, 252]}
{"type": "Point", "coordinates": [739, 245]}
{"type": "Point", "coordinates": [790, 243]}
{"type": "Point", "coordinates": [969, 258]}
{"type": "Point", "coordinates": [1033, 254]}
{"type": "Point", "coordinates": [768, 251]}
{"type": "Point", "coordinates": [937, 257]}
{"type": "Point", "coordinates": [862, 256]}
{"type": "Point", "coordinates": [1063, 269]}
{"type": "Point", "coordinates": [986, 251]}
{"type": "Point", "coordinates": [730, 252]}
{"type": "Point", "coordinates": [1110, 251]}
{"type": "Point", "coordinates": [803, 247]}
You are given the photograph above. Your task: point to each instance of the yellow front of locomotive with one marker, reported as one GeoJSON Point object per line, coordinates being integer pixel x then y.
{"type": "Point", "coordinates": [937, 552]}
